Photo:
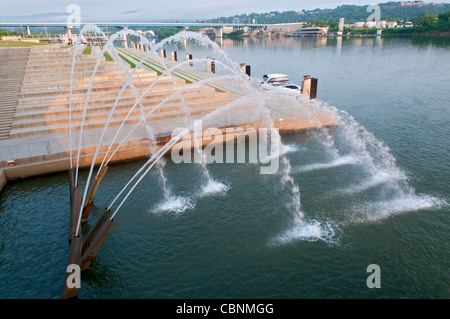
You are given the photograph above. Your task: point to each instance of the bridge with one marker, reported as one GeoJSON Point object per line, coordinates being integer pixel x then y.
{"type": "Point", "coordinates": [218, 27]}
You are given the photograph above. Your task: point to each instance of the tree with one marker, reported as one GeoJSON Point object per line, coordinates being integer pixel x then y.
{"type": "Point", "coordinates": [332, 23]}
{"type": "Point", "coordinates": [426, 20]}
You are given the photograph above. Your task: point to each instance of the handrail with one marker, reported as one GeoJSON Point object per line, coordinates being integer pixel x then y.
{"type": "Point", "coordinates": [6, 44]}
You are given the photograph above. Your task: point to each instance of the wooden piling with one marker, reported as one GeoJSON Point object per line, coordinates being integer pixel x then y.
{"type": "Point", "coordinates": [75, 209]}
{"type": "Point", "coordinates": [92, 192]}
{"type": "Point", "coordinates": [94, 248]}
{"type": "Point", "coordinates": [101, 221]}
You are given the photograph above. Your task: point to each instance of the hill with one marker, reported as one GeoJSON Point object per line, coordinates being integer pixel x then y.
{"type": "Point", "coordinates": [390, 11]}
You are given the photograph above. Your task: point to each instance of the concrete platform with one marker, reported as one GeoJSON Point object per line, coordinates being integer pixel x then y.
{"type": "Point", "coordinates": [37, 141]}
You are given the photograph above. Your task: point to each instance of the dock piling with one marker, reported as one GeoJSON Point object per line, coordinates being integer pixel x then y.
{"type": "Point", "coordinates": [95, 230]}
{"type": "Point", "coordinates": [92, 192]}
{"type": "Point", "coordinates": [96, 244]}
{"type": "Point", "coordinates": [75, 208]}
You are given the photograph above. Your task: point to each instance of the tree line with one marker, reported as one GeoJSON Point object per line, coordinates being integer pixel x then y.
{"type": "Point", "coordinates": [390, 11]}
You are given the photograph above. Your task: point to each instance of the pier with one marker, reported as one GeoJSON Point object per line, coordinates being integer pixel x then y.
{"type": "Point", "coordinates": [35, 136]}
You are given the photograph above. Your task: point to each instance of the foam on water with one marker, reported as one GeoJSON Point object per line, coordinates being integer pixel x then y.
{"type": "Point", "coordinates": [174, 204]}
{"type": "Point", "coordinates": [311, 231]}
{"type": "Point", "coordinates": [380, 177]}
{"type": "Point", "coordinates": [380, 210]}
{"type": "Point", "coordinates": [214, 188]}
{"type": "Point", "coordinates": [343, 160]}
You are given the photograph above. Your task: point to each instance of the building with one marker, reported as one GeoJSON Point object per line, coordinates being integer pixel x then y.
{"type": "Point", "coordinates": [391, 24]}
{"type": "Point", "coordinates": [310, 32]}
{"type": "Point", "coordinates": [358, 25]}
{"type": "Point", "coordinates": [285, 27]}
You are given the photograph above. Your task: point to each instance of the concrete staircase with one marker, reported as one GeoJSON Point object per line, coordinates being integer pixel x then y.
{"type": "Point", "coordinates": [12, 69]}
{"type": "Point", "coordinates": [44, 102]}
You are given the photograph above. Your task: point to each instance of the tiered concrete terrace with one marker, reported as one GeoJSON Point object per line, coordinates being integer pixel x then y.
{"type": "Point", "coordinates": [36, 130]}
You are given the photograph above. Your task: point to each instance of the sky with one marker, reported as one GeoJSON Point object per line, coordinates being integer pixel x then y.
{"type": "Point", "coordinates": [151, 10]}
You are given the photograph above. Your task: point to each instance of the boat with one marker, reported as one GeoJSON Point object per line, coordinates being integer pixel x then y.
{"type": "Point", "coordinates": [280, 81]}
{"type": "Point", "coordinates": [150, 35]}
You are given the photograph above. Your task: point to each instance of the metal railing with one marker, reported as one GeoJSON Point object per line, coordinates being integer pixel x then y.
{"type": "Point", "coordinates": [6, 44]}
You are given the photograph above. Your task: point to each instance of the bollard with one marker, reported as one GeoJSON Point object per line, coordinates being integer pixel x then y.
{"type": "Point", "coordinates": [93, 232]}
{"type": "Point", "coordinates": [208, 64]}
{"type": "Point", "coordinates": [187, 56]}
{"type": "Point", "coordinates": [242, 67]}
{"type": "Point", "coordinates": [248, 70]}
{"type": "Point", "coordinates": [134, 45]}
{"type": "Point", "coordinates": [96, 244]}
{"type": "Point", "coordinates": [172, 55]}
{"type": "Point", "coordinates": [213, 66]}
{"type": "Point", "coordinates": [313, 92]}
{"type": "Point", "coordinates": [306, 85]}
{"type": "Point", "coordinates": [75, 209]}
{"type": "Point", "coordinates": [74, 259]}
{"type": "Point", "coordinates": [162, 54]}
{"type": "Point", "coordinates": [92, 192]}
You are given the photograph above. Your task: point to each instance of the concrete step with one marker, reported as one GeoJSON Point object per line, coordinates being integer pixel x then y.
{"type": "Point", "coordinates": [53, 92]}
{"type": "Point", "coordinates": [161, 121]}
{"type": "Point", "coordinates": [33, 59]}
{"type": "Point", "coordinates": [31, 86]}
{"type": "Point", "coordinates": [12, 70]}
{"type": "Point", "coordinates": [35, 119]}
{"type": "Point", "coordinates": [159, 125]}
{"type": "Point", "coordinates": [192, 93]}
{"type": "Point", "coordinates": [98, 77]}
{"type": "Point", "coordinates": [56, 65]}
{"type": "Point", "coordinates": [50, 76]}
{"type": "Point", "coordinates": [118, 117]}
{"type": "Point", "coordinates": [68, 69]}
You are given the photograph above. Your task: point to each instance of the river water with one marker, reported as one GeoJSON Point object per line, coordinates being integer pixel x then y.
{"type": "Point", "coordinates": [239, 242]}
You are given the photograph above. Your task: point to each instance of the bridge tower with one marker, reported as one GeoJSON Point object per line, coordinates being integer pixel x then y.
{"type": "Point", "coordinates": [218, 31]}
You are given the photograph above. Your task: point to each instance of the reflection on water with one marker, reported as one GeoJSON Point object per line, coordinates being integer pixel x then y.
{"type": "Point", "coordinates": [357, 42]}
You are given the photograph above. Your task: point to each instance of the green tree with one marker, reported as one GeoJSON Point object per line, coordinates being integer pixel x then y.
{"type": "Point", "coordinates": [332, 23]}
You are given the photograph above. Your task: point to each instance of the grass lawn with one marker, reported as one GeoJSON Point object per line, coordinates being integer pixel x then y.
{"type": "Point", "coordinates": [18, 44]}
{"type": "Point", "coordinates": [88, 50]}
{"type": "Point", "coordinates": [132, 65]}
{"type": "Point", "coordinates": [107, 56]}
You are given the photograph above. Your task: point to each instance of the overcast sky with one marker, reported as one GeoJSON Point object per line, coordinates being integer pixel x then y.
{"type": "Point", "coordinates": [145, 10]}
